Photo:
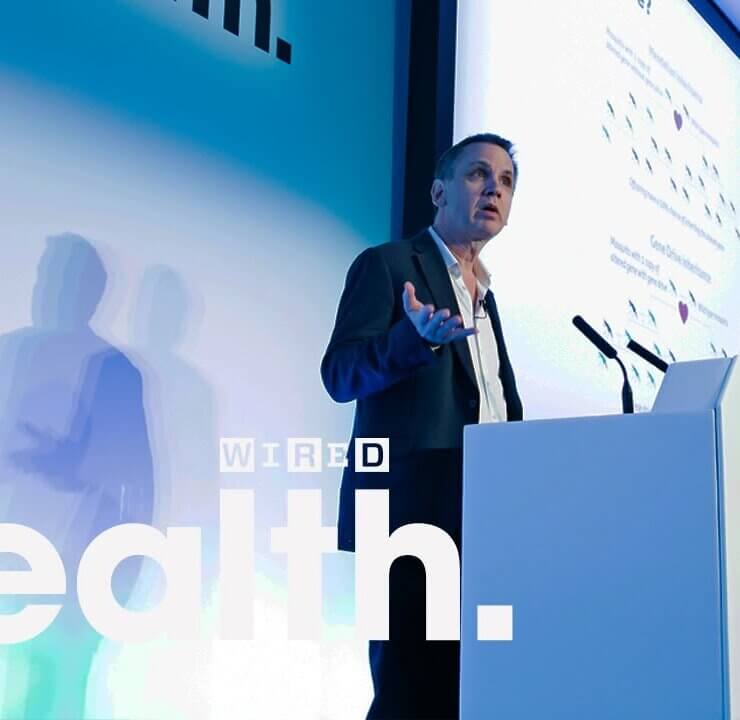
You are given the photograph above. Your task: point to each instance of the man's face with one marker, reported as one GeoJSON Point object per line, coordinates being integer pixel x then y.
{"type": "Point", "coordinates": [474, 203]}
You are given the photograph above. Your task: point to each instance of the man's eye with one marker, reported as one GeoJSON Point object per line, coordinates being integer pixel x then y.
{"type": "Point", "coordinates": [506, 180]}
{"type": "Point", "coordinates": [479, 172]}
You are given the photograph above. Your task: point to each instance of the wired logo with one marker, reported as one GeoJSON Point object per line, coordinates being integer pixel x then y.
{"type": "Point", "coordinates": [262, 21]}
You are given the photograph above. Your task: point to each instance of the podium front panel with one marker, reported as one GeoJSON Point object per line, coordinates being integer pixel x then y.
{"type": "Point", "coordinates": [602, 533]}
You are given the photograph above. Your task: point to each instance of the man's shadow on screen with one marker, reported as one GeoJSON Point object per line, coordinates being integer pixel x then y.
{"type": "Point", "coordinates": [74, 461]}
{"type": "Point", "coordinates": [180, 410]}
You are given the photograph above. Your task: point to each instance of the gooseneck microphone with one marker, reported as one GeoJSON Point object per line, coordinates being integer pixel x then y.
{"type": "Point", "coordinates": [646, 355]}
{"type": "Point", "coordinates": [628, 405]}
{"type": "Point", "coordinates": [594, 337]}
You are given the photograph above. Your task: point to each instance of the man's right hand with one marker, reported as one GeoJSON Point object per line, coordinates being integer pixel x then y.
{"type": "Point", "coordinates": [437, 327]}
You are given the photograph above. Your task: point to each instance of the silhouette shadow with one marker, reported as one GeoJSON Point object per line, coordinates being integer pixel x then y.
{"type": "Point", "coordinates": [180, 411]}
{"type": "Point", "coordinates": [74, 461]}
{"type": "Point", "coordinates": [179, 405]}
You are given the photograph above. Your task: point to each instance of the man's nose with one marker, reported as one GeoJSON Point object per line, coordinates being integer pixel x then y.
{"type": "Point", "coordinates": [492, 187]}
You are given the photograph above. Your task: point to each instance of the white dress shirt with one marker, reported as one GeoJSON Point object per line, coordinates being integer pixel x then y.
{"type": "Point", "coordinates": [482, 345]}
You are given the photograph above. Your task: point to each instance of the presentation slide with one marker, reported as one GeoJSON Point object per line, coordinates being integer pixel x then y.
{"type": "Point", "coordinates": [627, 209]}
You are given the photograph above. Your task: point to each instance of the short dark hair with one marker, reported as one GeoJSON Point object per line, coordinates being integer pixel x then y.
{"type": "Point", "coordinates": [446, 163]}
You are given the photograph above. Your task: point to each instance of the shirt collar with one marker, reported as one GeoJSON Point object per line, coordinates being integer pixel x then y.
{"type": "Point", "coordinates": [481, 272]}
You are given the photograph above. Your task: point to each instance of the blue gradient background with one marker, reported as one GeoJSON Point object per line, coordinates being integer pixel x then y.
{"type": "Point", "coordinates": [219, 195]}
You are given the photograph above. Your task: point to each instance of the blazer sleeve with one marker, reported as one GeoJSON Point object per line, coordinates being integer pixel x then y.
{"type": "Point", "coordinates": [368, 350]}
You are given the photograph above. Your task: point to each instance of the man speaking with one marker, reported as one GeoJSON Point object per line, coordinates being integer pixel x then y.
{"type": "Point", "coordinates": [418, 344]}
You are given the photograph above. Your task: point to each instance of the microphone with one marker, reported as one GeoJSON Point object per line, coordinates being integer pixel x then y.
{"type": "Point", "coordinates": [628, 405]}
{"type": "Point", "coordinates": [646, 355]}
{"type": "Point", "coordinates": [594, 337]}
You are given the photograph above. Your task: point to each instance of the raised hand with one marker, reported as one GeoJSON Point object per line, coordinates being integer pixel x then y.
{"type": "Point", "coordinates": [437, 327]}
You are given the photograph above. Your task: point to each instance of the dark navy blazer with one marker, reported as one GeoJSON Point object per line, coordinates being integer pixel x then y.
{"type": "Point", "coordinates": [419, 399]}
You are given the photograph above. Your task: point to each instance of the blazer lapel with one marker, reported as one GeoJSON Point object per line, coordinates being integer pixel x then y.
{"type": "Point", "coordinates": [433, 270]}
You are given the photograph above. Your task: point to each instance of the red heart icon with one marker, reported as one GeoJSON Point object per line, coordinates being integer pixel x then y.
{"type": "Point", "coordinates": [678, 120]}
{"type": "Point", "coordinates": [683, 311]}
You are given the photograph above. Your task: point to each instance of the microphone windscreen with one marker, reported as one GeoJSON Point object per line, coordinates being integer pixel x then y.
{"type": "Point", "coordinates": [594, 337]}
{"type": "Point", "coordinates": [646, 355]}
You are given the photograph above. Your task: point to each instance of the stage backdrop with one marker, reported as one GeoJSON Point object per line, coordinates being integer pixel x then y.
{"type": "Point", "coordinates": [182, 188]}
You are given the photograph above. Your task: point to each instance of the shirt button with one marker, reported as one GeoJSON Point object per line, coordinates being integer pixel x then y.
{"type": "Point", "coordinates": [473, 403]}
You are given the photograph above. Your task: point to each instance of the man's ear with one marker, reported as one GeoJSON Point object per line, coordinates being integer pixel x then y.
{"type": "Point", "coordinates": [438, 193]}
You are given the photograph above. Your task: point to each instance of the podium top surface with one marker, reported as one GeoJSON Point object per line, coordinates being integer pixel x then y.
{"type": "Point", "coordinates": [693, 386]}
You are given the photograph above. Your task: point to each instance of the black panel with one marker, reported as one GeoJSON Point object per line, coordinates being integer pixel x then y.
{"type": "Point", "coordinates": [284, 50]}
{"type": "Point", "coordinates": [262, 25]}
{"type": "Point", "coordinates": [201, 7]}
{"type": "Point", "coordinates": [430, 104]}
{"type": "Point", "coordinates": [231, 15]}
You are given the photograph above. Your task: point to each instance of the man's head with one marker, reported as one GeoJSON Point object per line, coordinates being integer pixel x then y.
{"type": "Point", "coordinates": [473, 188]}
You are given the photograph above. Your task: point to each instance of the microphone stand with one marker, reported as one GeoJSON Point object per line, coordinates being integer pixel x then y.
{"type": "Point", "coordinates": [628, 404]}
